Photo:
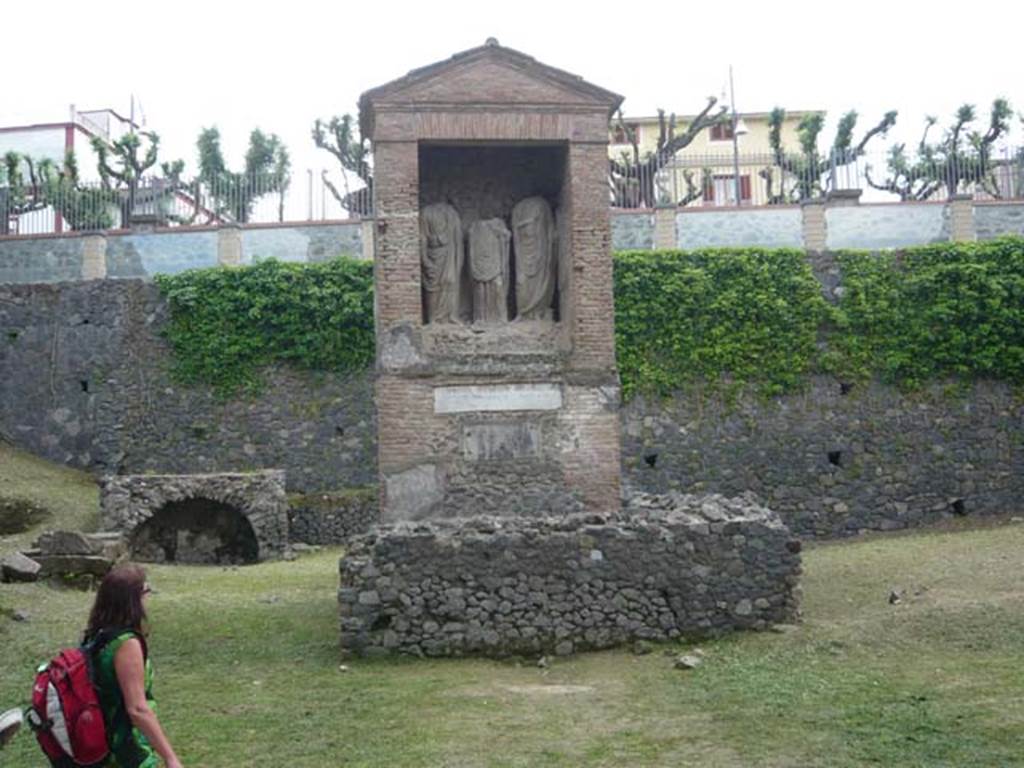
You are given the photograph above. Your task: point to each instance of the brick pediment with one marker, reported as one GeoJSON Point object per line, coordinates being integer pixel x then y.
{"type": "Point", "coordinates": [488, 82]}
{"type": "Point", "coordinates": [488, 76]}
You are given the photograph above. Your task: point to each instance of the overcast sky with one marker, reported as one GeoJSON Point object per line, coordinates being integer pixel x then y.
{"type": "Point", "coordinates": [278, 66]}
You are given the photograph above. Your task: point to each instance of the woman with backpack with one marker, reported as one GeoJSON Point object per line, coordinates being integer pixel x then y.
{"type": "Point", "coordinates": [123, 675]}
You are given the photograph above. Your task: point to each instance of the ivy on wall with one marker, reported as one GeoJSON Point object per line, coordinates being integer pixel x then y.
{"type": "Point", "coordinates": [935, 311]}
{"type": "Point", "coordinates": [748, 315]}
{"type": "Point", "coordinates": [227, 324]}
{"type": "Point", "coordinates": [743, 317]}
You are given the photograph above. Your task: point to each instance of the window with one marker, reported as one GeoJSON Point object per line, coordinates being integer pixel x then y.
{"type": "Point", "coordinates": [721, 132]}
{"type": "Point", "coordinates": [720, 189]}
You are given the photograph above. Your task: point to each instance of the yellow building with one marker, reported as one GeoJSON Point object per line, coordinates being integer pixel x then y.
{"type": "Point", "coordinates": [704, 171]}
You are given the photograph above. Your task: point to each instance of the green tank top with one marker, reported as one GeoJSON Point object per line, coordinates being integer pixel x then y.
{"type": "Point", "coordinates": [128, 746]}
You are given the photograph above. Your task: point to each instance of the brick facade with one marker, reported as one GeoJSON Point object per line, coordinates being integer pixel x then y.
{"type": "Point", "coordinates": [481, 131]}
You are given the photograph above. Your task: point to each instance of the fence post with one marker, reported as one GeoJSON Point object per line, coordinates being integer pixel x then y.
{"type": "Point", "coordinates": [960, 210]}
{"type": "Point", "coordinates": [229, 245]}
{"type": "Point", "coordinates": [814, 230]}
{"type": "Point", "coordinates": [94, 257]}
{"type": "Point", "coordinates": [665, 227]}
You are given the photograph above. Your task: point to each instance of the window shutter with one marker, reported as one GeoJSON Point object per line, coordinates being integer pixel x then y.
{"type": "Point", "coordinates": [745, 187]}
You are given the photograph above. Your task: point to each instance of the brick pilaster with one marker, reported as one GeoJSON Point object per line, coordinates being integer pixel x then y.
{"type": "Point", "coordinates": [960, 209]}
{"type": "Point", "coordinates": [397, 238]}
{"type": "Point", "coordinates": [665, 227]}
{"type": "Point", "coordinates": [94, 257]}
{"type": "Point", "coordinates": [814, 229]}
{"type": "Point", "coordinates": [593, 315]}
{"type": "Point", "coordinates": [229, 245]}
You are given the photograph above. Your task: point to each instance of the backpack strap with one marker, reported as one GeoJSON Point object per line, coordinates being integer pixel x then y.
{"type": "Point", "coordinates": [92, 646]}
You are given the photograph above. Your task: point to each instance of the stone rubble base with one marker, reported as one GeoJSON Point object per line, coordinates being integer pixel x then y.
{"type": "Point", "coordinates": [667, 567]}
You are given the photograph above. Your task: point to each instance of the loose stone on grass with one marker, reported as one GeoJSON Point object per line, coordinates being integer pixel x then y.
{"type": "Point", "coordinates": [688, 662]}
{"type": "Point", "coordinates": [18, 567]}
{"type": "Point", "coordinates": [642, 648]}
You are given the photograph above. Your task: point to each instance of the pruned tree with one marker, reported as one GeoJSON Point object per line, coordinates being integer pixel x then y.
{"type": "Point", "coordinates": [34, 185]}
{"type": "Point", "coordinates": [82, 207]}
{"type": "Point", "coordinates": [339, 136]}
{"type": "Point", "coordinates": [695, 190]}
{"type": "Point", "coordinates": [959, 160]}
{"type": "Point", "coordinates": [267, 171]}
{"type": "Point", "coordinates": [123, 163]}
{"type": "Point", "coordinates": [281, 170]}
{"type": "Point", "coordinates": [24, 188]}
{"type": "Point", "coordinates": [805, 171]}
{"type": "Point", "coordinates": [634, 178]}
{"type": "Point", "coordinates": [1015, 186]}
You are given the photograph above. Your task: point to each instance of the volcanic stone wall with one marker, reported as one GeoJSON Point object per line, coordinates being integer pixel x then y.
{"type": "Point", "coordinates": [85, 381]}
{"type": "Point", "coordinates": [838, 458]}
{"type": "Point", "coordinates": [672, 566]}
{"type": "Point", "coordinates": [331, 518]}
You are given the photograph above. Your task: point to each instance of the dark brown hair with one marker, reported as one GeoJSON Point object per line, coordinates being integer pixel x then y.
{"type": "Point", "coordinates": [119, 601]}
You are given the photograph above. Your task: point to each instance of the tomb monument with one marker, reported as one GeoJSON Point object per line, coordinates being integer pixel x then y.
{"type": "Point", "coordinates": [497, 390]}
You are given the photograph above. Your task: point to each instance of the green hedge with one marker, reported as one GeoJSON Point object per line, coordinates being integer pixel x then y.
{"type": "Point", "coordinates": [739, 318]}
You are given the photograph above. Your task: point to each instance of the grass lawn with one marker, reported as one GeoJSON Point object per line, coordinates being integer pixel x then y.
{"type": "Point", "coordinates": [247, 670]}
{"type": "Point", "coordinates": [70, 497]}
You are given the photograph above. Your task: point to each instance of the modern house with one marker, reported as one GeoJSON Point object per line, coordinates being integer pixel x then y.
{"type": "Point", "coordinates": [153, 202]}
{"type": "Point", "coordinates": [710, 161]}
{"type": "Point", "coordinates": [53, 140]}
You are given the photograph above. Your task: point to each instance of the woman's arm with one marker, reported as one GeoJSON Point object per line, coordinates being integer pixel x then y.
{"type": "Point", "coordinates": [129, 666]}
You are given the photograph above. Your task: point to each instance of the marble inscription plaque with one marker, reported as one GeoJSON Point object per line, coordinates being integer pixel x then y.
{"type": "Point", "coordinates": [498, 397]}
{"type": "Point", "coordinates": [496, 442]}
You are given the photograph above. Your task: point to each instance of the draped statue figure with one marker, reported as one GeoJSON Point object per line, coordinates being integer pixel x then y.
{"type": "Point", "coordinates": [441, 259]}
{"type": "Point", "coordinates": [533, 238]}
{"type": "Point", "coordinates": [489, 269]}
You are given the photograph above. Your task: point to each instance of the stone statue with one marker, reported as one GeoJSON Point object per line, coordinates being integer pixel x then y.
{"type": "Point", "coordinates": [441, 258]}
{"type": "Point", "coordinates": [533, 238]}
{"type": "Point", "coordinates": [489, 269]}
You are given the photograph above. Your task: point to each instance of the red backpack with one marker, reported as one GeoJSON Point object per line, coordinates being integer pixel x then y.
{"type": "Point", "coordinates": [65, 714]}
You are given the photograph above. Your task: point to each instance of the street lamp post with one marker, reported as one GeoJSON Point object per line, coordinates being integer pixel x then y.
{"type": "Point", "coordinates": [737, 129]}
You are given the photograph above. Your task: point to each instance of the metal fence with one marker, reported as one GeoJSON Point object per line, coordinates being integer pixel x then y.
{"type": "Point", "coordinates": [57, 205]}
{"type": "Point", "coordinates": [686, 180]}
{"type": "Point", "coordinates": [762, 179]}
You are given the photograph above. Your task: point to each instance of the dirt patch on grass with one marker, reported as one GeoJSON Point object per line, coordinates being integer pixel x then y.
{"type": "Point", "coordinates": [548, 690]}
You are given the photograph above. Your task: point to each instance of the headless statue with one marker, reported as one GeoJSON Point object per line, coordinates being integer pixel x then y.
{"type": "Point", "coordinates": [489, 268]}
{"type": "Point", "coordinates": [533, 237]}
{"type": "Point", "coordinates": [441, 259]}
